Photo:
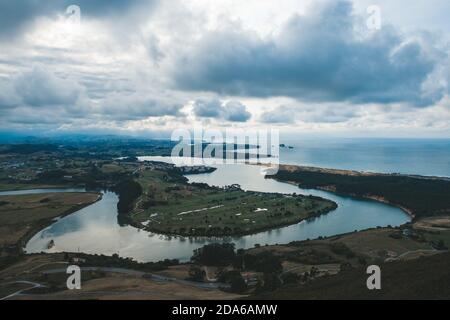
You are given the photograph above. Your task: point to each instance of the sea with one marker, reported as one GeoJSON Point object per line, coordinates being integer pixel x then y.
{"type": "Point", "coordinates": [428, 157]}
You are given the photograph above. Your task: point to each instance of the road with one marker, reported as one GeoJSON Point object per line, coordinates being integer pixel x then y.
{"type": "Point", "coordinates": [151, 276]}
{"type": "Point", "coordinates": [32, 284]}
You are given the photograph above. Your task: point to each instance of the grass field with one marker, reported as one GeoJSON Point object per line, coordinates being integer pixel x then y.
{"type": "Point", "coordinates": [178, 208]}
{"type": "Point", "coordinates": [21, 215]}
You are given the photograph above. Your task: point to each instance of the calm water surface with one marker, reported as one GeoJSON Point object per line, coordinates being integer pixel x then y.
{"type": "Point", "coordinates": [94, 229]}
{"type": "Point", "coordinates": [430, 157]}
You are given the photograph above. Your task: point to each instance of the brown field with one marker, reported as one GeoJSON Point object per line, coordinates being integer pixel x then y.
{"type": "Point", "coordinates": [435, 229]}
{"type": "Point", "coordinates": [441, 223]}
{"type": "Point", "coordinates": [371, 245]}
{"type": "Point", "coordinates": [424, 278]}
{"type": "Point", "coordinates": [97, 285]}
{"type": "Point", "coordinates": [122, 287]}
{"type": "Point", "coordinates": [21, 215]}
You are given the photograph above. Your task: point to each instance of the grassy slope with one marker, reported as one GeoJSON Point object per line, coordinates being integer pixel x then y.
{"type": "Point", "coordinates": [423, 278]}
{"type": "Point", "coordinates": [373, 245]}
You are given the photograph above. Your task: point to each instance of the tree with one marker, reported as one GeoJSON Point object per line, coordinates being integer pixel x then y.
{"type": "Point", "coordinates": [214, 254]}
{"type": "Point", "coordinates": [238, 284]}
{"type": "Point", "coordinates": [290, 277]}
{"type": "Point", "coordinates": [263, 262]}
{"type": "Point", "coordinates": [271, 282]}
{"type": "Point", "coordinates": [235, 279]}
{"type": "Point", "coordinates": [129, 191]}
{"type": "Point", "coordinates": [197, 274]}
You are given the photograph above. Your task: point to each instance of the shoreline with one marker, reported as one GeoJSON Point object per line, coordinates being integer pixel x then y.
{"type": "Point", "coordinates": [331, 187]}
{"type": "Point", "coordinates": [373, 198]}
{"type": "Point", "coordinates": [350, 172]}
{"type": "Point", "coordinates": [33, 232]}
{"type": "Point", "coordinates": [254, 231]}
{"type": "Point", "coordinates": [367, 197]}
{"type": "Point", "coordinates": [45, 223]}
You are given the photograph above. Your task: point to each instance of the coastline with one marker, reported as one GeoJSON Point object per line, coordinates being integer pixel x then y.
{"type": "Point", "coordinates": [349, 172]}
{"type": "Point", "coordinates": [354, 173]}
{"type": "Point", "coordinates": [368, 197]}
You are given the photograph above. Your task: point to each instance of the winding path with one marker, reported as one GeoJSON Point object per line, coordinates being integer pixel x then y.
{"type": "Point", "coordinates": [33, 285]}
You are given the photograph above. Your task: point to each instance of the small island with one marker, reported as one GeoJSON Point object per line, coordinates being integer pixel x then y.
{"type": "Point", "coordinates": [284, 146]}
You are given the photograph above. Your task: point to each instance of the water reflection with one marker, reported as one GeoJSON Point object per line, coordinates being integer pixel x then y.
{"type": "Point", "coordinates": [94, 229]}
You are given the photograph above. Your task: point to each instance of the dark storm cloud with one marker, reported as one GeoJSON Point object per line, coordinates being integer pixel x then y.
{"type": "Point", "coordinates": [316, 57]}
{"type": "Point", "coordinates": [17, 15]}
{"type": "Point", "coordinates": [233, 111]}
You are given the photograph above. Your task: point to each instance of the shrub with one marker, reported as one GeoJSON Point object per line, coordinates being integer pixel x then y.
{"type": "Point", "coordinates": [342, 250]}
{"type": "Point", "coordinates": [214, 254]}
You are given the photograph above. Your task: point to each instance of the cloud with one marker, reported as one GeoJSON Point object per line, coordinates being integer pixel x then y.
{"type": "Point", "coordinates": [329, 114]}
{"type": "Point", "coordinates": [282, 115]}
{"type": "Point", "coordinates": [233, 111]}
{"type": "Point", "coordinates": [208, 108]}
{"type": "Point", "coordinates": [8, 96]}
{"type": "Point", "coordinates": [40, 96]}
{"type": "Point", "coordinates": [309, 114]}
{"type": "Point", "coordinates": [236, 112]}
{"type": "Point", "coordinates": [40, 87]}
{"type": "Point", "coordinates": [315, 57]}
{"type": "Point", "coordinates": [17, 16]}
{"type": "Point", "coordinates": [137, 106]}
{"type": "Point", "coordinates": [139, 63]}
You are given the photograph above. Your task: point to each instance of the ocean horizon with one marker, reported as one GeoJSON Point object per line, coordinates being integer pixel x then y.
{"type": "Point", "coordinates": [428, 157]}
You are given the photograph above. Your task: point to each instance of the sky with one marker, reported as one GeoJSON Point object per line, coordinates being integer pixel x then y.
{"type": "Point", "coordinates": [147, 67]}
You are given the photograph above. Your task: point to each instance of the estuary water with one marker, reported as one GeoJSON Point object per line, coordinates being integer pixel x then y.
{"type": "Point", "coordinates": [95, 229]}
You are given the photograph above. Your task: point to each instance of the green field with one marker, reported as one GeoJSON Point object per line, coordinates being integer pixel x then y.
{"type": "Point", "coordinates": [172, 206]}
